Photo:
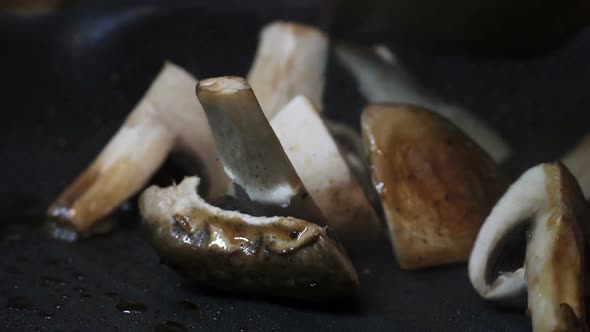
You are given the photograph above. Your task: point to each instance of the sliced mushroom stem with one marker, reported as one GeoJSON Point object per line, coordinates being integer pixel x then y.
{"type": "Point", "coordinates": [290, 61]}
{"type": "Point", "coordinates": [167, 118]}
{"type": "Point", "coordinates": [578, 161]}
{"type": "Point", "coordinates": [382, 79]}
{"type": "Point", "coordinates": [324, 171]}
{"type": "Point", "coordinates": [549, 199]}
{"type": "Point", "coordinates": [249, 150]}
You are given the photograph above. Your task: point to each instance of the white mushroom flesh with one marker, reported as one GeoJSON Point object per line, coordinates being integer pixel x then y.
{"type": "Point", "coordinates": [325, 173]}
{"type": "Point", "coordinates": [290, 61]}
{"type": "Point", "coordinates": [166, 118]}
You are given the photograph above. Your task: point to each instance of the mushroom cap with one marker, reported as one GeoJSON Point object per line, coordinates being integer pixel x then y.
{"type": "Point", "coordinates": [548, 198]}
{"type": "Point", "coordinates": [554, 262]}
{"type": "Point", "coordinates": [325, 173]}
{"type": "Point", "coordinates": [275, 256]}
{"type": "Point", "coordinates": [436, 185]}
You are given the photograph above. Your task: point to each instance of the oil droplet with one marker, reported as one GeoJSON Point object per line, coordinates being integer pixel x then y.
{"type": "Point", "coordinates": [46, 315]}
{"type": "Point", "coordinates": [170, 326]}
{"type": "Point", "coordinates": [52, 282]}
{"type": "Point", "coordinates": [188, 305]}
{"type": "Point", "coordinates": [19, 303]}
{"type": "Point", "coordinates": [130, 307]}
{"type": "Point", "coordinates": [379, 187]}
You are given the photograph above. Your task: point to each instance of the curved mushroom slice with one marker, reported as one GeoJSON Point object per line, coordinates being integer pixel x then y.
{"type": "Point", "coordinates": [548, 197]}
{"type": "Point", "coordinates": [166, 118]}
{"type": "Point", "coordinates": [578, 161]}
{"type": "Point", "coordinates": [251, 153]}
{"type": "Point", "coordinates": [382, 79]}
{"type": "Point", "coordinates": [324, 172]}
{"type": "Point", "coordinates": [436, 185]}
{"type": "Point", "coordinates": [275, 256]}
{"type": "Point", "coordinates": [290, 61]}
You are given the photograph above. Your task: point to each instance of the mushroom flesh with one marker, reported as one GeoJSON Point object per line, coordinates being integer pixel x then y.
{"type": "Point", "coordinates": [167, 118]}
{"type": "Point", "coordinates": [548, 199]}
{"type": "Point", "coordinates": [324, 171]}
{"type": "Point", "coordinates": [436, 185]}
{"type": "Point", "coordinates": [274, 256]}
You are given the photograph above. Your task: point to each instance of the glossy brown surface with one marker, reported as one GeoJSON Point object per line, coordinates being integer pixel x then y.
{"type": "Point", "coordinates": [555, 267]}
{"type": "Point", "coordinates": [436, 185]}
{"type": "Point", "coordinates": [280, 256]}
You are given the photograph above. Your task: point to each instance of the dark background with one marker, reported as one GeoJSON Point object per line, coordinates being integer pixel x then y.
{"type": "Point", "coordinates": [68, 80]}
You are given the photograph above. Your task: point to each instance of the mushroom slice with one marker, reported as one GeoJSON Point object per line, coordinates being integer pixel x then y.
{"type": "Point", "coordinates": [166, 118]}
{"type": "Point", "coordinates": [436, 185]}
{"type": "Point", "coordinates": [274, 256]}
{"type": "Point", "coordinates": [288, 54]}
{"type": "Point", "coordinates": [548, 198]}
{"type": "Point", "coordinates": [382, 79]}
{"type": "Point", "coordinates": [325, 173]}
{"type": "Point", "coordinates": [578, 161]}
{"type": "Point", "coordinates": [251, 153]}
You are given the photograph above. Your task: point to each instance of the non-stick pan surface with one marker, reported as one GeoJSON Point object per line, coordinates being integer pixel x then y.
{"type": "Point", "coordinates": [67, 82]}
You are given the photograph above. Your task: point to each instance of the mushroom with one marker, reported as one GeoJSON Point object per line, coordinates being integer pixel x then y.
{"type": "Point", "coordinates": [436, 185]}
{"type": "Point", "coordinates": [382, 79]}
{"type": "Point", "coordinates": [290, 61]}
{"type": "Point", "coordinates": [167, 118]}
{"type": "Point", "coordinates": [578, 161]}
{"type": "Point", "coordinates": [274, 256]}
{"type": "Point", "coordinates": [325, 173]}
{"type": "Point", "coordinates": [250, 152]}
{"type": "Point", "coordinates": [548, 199]}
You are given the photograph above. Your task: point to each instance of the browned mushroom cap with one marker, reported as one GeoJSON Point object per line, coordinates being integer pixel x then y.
{"type": "Point", "coordinates": [436, 185]}
{"type": "Point", "coordinates": [167, 118]}
{"type": "Point", "coordinates": [549, 199]}
{"type": "Point", "coordinates": [274, 256]}
{"type": "Point", "coordinates": [290, 61]}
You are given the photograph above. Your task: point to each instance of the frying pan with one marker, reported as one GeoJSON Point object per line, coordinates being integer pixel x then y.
{"type": "Point", "coordinates": [69, 79]}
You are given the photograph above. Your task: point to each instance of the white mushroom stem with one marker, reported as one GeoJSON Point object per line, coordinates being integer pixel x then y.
{"type": "Point", "coordinates": [548, 197]}
{"type": "Point", "coordinates": [249, 150]}
{"type": "Point", "coordinates": [325, 173]}
{"type": "Point", "coordinates": [578, 161]}
{"type": "Point", "coordinates": [166, 118]}
{"type": "Point", "coordinates": [290, 61]}
{"type": "Point", "coordinates": [382, 79]}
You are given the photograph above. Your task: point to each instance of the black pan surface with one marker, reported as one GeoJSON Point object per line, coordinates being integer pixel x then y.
{"type": "Point", "coordinates": [69, 79]}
